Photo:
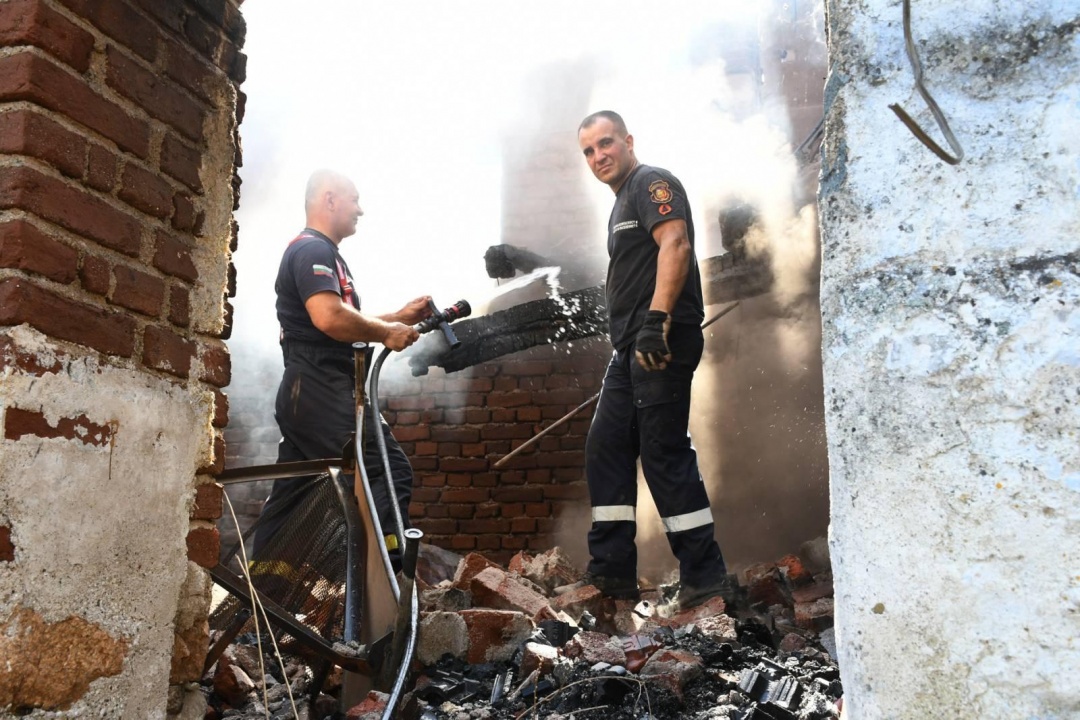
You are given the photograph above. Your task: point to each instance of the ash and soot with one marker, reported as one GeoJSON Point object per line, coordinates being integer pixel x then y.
{"type": "Point", "coordinates": [502, 643]}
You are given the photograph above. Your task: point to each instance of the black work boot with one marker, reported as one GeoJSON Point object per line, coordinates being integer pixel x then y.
{"type": "Point", "coordinates": [693, 595]}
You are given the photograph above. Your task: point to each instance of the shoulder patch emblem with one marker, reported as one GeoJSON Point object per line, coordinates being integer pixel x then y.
{"type": "Point", "coordinates": [659, 192]}
{"type": "Point", "coordinates": [322, 270]}
{"type": "Point", "coordinates": [664, 209]}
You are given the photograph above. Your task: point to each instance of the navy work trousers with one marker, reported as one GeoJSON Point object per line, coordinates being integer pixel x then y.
{"type": "Point", "coordinates": [315, 410]}
{"type": "Point", "coordinates": [646, 415]}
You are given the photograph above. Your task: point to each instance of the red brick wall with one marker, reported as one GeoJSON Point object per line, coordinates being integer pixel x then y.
{"type": "Point", "coordinates": [102, 130]}
{"type": "Point", "coordinates": [119, 146]}
{"type": "Point", "coordinates": [456, 427]}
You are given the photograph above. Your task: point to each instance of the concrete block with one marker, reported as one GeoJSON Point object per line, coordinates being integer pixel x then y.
{"type": "Point", "coordinates": [538, 656]}
{"type": "Point", "coordinates": [441, 633]}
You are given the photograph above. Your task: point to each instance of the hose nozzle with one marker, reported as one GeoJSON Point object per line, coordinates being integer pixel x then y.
{"type": "Point", "coordinates": [442, 318]}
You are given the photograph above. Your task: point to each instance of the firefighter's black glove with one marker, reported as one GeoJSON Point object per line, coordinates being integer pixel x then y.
{"type": "Point", "coordinates": [651, 348]}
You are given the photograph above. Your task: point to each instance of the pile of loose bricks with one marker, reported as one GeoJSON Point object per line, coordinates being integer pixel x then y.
{"type": "Point", "coordinates": [485, 626]}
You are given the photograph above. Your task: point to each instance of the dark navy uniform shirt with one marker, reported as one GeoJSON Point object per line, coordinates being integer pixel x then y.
{"type": "Point", "coordinates": [648, 197]}
{"type": "Point", "coordinates": [311, 264]}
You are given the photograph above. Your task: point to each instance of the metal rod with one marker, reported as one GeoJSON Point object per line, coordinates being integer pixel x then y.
{"type": "Point", "coordinates": [281, 470]}
{"type": "Point", "coordinates": [939, 117]}
{"type": "Point", "coordinates": [565, 418]}
{"type": "Point", "coordinates": [354, 555]}
{"type": "Point", "coordinates": [307, 637]}
{"type": "Point", "coordinates": [536, 438]}
{"type": "Point", "coordinates": [720, 314]}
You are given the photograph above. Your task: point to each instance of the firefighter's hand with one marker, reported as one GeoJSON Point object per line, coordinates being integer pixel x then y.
{"type": "Point", "coordinates": [650, 347]}
{"type": "Point", "coordinates": [415, 310]}
{"type": "Point", "coordinates": [399, 336]}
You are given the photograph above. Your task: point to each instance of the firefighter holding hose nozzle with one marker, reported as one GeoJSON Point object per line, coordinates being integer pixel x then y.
{"type": "Point", "coordinates": [318, 309]}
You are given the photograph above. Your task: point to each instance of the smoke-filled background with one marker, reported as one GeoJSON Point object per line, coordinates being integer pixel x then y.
{"type": "Point", "coordinates": [458, 124]}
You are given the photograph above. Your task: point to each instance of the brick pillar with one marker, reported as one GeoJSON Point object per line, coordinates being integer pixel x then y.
{"type": "Point", "coordinates": [117, 183]}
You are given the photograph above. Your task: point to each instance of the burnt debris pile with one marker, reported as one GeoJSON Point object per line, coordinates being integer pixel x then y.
{"type": "Point", "coordinates": [500, 643]}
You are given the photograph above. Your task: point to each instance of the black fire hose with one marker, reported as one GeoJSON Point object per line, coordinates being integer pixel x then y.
{"type": "Point", "coordinates": [405, 633]}
{"type": "Point", "coordinates": [439, 319]}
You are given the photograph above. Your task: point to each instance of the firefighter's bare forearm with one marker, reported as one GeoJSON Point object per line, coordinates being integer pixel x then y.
{"type": "Point", "coordinates": [672, 267]}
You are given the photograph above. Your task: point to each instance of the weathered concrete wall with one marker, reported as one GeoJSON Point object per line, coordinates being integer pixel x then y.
{"type": "Point", "coordinates": [951, 328]}
{"type": "Point", "coordinates": [100, 519]}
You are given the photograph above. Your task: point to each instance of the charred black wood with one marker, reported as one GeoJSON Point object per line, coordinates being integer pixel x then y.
{"type": "Point", "coordinates": [727, 278]}
{"type": "Point", "coordinates": [505, 261]}
{"type": "Point", "coordinates": [572, 316]}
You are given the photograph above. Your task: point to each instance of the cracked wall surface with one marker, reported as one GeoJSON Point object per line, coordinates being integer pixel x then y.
{"type": "Point", "coordinates": [952, 361]}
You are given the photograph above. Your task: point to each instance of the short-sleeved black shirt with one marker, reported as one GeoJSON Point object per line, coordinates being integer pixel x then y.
{"type": "Point", "coordinates": [311, 264]}
{"type": "Point", "coordinates": [648, 197]}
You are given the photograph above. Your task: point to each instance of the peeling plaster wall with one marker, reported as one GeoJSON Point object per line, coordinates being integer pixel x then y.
{"type": "Point", "coordinates": [100, 528]}
{"type": "Point", "coordinates": [952, 368]}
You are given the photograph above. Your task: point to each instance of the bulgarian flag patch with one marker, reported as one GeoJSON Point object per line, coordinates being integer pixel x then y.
{"type": "Point", "coordinates": [322, 270]}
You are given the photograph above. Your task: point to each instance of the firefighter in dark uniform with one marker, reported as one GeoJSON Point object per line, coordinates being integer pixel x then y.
{"type": "Point", "coordinates": [655, 312]}
{"type": "Point", "coordinates": [318, 309]}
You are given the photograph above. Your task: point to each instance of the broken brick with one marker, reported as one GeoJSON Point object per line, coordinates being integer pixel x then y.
{"type": "Point", "coordinates": [674, 669]}
{"type": "Point", "coordinates": [792, 642]}
{"type": "Point", "coordinates": [470, 566]}
{"type": "Point", "coordinates": [822, 587]}
{"type": "Point", "coordinates": [372, 707]}
{"type": "Point", "coordinates": [493, 587]}
{"type": "Point", "coordinates": [595, 647]}
{"type": "Point", "coordinates": [587, 598]}
{"type": "Point", "coordinates": [765, 585]}
{"type": "Point", "coordinates": [794, 571]}
{"type": "Point", "coordinates": [817, 615]}
{"type": "Point", "coordinates": [494, 635]}
{"type": "Point", "coordinates": [232, 683]}
{"type": "Point", "coordinates": [549, 569]}
{"type": "Point", "coordinates": [711, 607]}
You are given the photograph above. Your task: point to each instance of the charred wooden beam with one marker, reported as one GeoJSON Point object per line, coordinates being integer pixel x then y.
{"type": "Point", "coordinates": [727, 278]}
{"type": "Point", "coordinates": [571, 316]}
{"type": "Point", "coordinates": [504, 261]}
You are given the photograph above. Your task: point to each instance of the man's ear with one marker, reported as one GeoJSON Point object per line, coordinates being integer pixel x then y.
{"type": "Point", "coordinates": [630, 143]}
{"type": "Point", "coordinates": [329, 199]}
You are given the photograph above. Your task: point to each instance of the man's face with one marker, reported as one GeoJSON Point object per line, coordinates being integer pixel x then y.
{"type": "Point", "coordinates": [345, 206]}
{"type": "Point", "coordinates": [609, 153]}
